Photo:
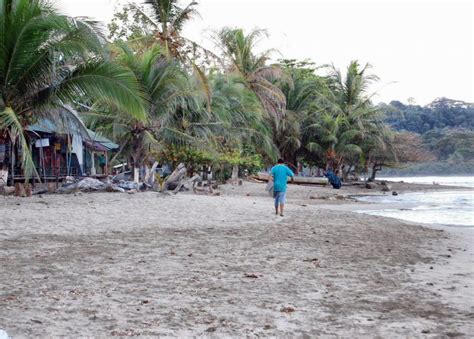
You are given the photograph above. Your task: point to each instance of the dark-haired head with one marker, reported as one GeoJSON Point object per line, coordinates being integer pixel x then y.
{"type": "Point", "coordinates": [280, 161]}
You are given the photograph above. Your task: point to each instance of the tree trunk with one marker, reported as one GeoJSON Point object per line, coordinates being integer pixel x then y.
{"type": "Point", "coordinates": [346, 170]}
{"type": "Point", "coordinates": [9, 162]}
{"type": "Point", "coordinates": [295, 163]}
{"type": "Point", "coordinates": [372, 175]}
{"type": "Point", "coordinates": [235, 172]}
{"type": "Point", "coordinates": [375, 168]}
{"type": "Point", "coordinates": [20, 189]}
{"type": "Point", "coordinates": [93, 172]}
{"type": "Point", "coordinates": [204, 172]}
{"type": "Point", "coordinates": [150, 174]}
{"type": "Point", "coordinates": [136, 168]}
{"type": "Point", "coordinates": [4, 169]}
{"type": "Point", "coordinates": [136, 174]}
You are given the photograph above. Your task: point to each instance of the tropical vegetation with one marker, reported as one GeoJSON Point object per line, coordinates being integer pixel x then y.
{"type": "Point", "coordinates": [444, 130]}
{"type": "Point", "coordinates": [48, 60]}
{"type": "Point", "coordinates": [166, 99]}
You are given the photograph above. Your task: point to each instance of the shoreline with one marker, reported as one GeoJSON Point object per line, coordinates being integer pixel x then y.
{"type": "Point", "coordinates": [361, 206]}
{"type": "Point", "coordinates": [112, 264]}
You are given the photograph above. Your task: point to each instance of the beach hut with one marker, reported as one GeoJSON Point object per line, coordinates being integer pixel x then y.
{"type": "Point", "coordinates": [97, 150]}
{"type": "Point", "coordinates": [57, 152]}
{"type": "Point", "coordinates": [59, 149]}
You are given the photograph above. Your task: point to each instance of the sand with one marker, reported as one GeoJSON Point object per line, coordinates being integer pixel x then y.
{"type": "Point", "coordinates": [113, 264]}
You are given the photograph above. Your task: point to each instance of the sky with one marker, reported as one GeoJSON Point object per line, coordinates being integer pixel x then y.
{"type": "Point", "coordinates": [419, 49]}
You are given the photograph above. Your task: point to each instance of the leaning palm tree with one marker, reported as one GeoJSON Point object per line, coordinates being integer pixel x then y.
{"type": "Point", "coordinates": [239, 48]}
{"type": "Point", "coordinates": [237, 112]}
{"type": "Point", "coordinates": [48, 60]}
{"type": "Point", "coordinates": [171, 102]}
{"type": "Point", "coordinates": [237, 125]}
{"type": "Point", "coordinates": [233, 125]}
{"type": "Point", "coordinates": [160, 22]}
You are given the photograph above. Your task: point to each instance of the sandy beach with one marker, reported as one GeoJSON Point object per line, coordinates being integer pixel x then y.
{"type": "Point", "coordinates": [149, 264]}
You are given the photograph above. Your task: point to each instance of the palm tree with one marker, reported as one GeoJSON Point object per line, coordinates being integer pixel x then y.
{"type": "Point", "coordinates": [237, 111]}
{"type": "Point", "coordinates": [160, 21]}
{"type": "Point", "coordinates": [291, 134]}
{"type": "Point", "coordinates": [174, 114]}
{"type": "Point", "coordinates": [349, 118]}
{"type": "Point", "coordinates": [48, 60]}
{"type": "Point", "coordinates": [232, 132]}
{"type": "Point", "coordinates": [166, 20]}
{"type": "Point", "coordinates": [348, 96]}
{"type": "Point", "coordinates": [333, 140]}
{"type": "Point", "coordinates": [257, 76]}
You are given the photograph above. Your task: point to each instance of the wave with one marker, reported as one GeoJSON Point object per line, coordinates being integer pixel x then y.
{"type": "Point", "coordinates": [455, 208]}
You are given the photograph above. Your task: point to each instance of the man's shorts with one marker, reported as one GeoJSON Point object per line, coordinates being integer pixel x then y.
{"type": "Point", "coordinates": [279, 197]}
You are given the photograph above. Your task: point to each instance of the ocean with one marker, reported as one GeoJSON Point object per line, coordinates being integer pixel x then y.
{"type": "Point", "coordinates": [449, 208]}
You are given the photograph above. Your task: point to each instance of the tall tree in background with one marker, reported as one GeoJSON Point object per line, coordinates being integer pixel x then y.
{"type": "Point", "coordinates": [239, 50]}
{"type": "Point", "coordinates": [48, 60]}
{"type": "Point", "coordinates": [169, 20]}
{"type": "Point", "coordinates": [160, 22]}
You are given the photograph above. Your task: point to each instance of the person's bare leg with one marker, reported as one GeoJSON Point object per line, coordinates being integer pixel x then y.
{"type": "Point", "coordinates": [281, 209]}
{"type": "Point", "coordinates": [276, 210]}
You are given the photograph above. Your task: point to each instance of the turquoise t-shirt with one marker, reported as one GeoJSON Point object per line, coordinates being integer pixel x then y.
{"type": "Point", "coordinates": [280, 175]}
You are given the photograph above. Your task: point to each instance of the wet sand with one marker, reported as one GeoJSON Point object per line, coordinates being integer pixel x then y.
{"type": "Point", "coordinates": [112, 264]}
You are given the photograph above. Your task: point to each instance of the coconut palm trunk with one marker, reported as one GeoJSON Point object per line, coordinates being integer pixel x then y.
{"type": "Point", "coordinates": [235, 172]}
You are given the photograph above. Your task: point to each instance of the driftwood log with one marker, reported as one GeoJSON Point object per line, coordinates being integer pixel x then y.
{"type": "Point", "coordinates": [189, 182]}
{"type": "Point", "coordinates": [174, 180]}
{"type": "Point", "coordinates": [177, 180]}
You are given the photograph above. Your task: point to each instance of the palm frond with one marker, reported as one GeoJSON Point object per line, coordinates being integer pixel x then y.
{"type": "Point", "coordinates": [107, 82]}
{"type": "Point", "coordinates": [9, 121]}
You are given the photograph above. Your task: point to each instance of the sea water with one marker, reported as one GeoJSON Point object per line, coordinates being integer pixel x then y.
{"type": "Point", "coordinates": [451, 208]}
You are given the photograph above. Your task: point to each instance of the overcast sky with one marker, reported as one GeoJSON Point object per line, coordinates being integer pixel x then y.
{"type": "Point", "coordinates": [420, 49]}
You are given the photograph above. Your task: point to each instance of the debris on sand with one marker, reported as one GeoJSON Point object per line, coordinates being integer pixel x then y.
{"type": "Point", "coordinates": [315, 261]}
{"type": "Point", "coordinates": [95, 185]}
{"type": "Point", "coordinates": [211, 329]}
{"type": "Point", "coordinates": [287, 309]}
{"type": "Point", "coordinates": [311, 260]}
{"type": "Point", "coordinates": [371, 185]}
{"type": "Point", "coordinates": [84, 185]}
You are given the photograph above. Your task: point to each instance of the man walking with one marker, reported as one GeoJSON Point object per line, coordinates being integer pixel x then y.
{"type": "Point", "coordinates": [280, 173]}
